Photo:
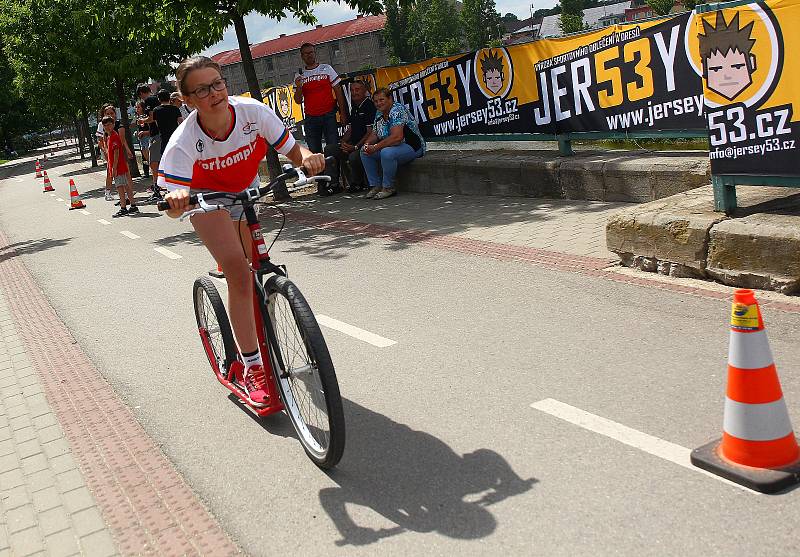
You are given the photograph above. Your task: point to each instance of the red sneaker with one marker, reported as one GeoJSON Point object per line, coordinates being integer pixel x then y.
{"type": "Point", "coordinates": [255, 385]}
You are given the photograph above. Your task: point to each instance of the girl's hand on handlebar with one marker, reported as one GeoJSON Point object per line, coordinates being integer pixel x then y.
{"type": "Point", "coordinates": [178, 202]}
{"type": "Point", "coordinates": [314, 163]}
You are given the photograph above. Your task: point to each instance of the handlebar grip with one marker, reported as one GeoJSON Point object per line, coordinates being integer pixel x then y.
{"type": "Point", "coordinates": [164, 205]}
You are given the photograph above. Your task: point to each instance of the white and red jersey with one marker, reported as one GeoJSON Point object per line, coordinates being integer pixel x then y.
{"type": "Point", "coordinates": [318, 84]}
{"type": "Point", "coordinates": [194, 158]}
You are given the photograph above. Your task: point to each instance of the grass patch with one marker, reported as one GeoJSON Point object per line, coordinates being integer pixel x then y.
{"type": "Point", "coordinates": [650, 144]}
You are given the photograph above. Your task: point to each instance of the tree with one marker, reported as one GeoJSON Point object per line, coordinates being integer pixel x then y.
{"type": "Point", "coordinates": [571, 19]}
{"type": "Point", "coordinates": [480, 22]}
{"type": "Point", "coordinates": [661, 7]}
{"type": "Point", "coordinates": [420, 30]}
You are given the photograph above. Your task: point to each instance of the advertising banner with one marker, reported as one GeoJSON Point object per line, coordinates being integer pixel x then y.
{"type": "Point", "coordinates": [622, 77]}
{"type": "Point", "coordinates": [751, 83]}
{"type": "Point", "coordinates": [281, 100]}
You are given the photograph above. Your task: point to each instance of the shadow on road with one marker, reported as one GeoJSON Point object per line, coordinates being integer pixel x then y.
{"type": "Point", "coordinates": [415, 481]}
{"type": "Point", "coordinates": [30, 246]}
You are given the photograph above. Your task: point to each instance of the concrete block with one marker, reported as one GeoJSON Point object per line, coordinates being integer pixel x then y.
{"type": "Point", "coordinates": [668, 235]}
{"type": "Point", "coordinates": [627, 178]}
{"type": "Point", "coordinates": [540, 177]}
{"type": "Point", "coordinates": [757, 251]}
{"type": "Point", "coordinates": [581, 177]}
{"type": "Point", "coordinates": [677, 172]}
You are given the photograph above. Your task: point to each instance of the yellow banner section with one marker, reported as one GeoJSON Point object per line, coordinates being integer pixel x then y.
{"type": "Point", "coordinates": [746, 55]}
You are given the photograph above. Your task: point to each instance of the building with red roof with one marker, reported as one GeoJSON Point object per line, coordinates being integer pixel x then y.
{"type": "Point", "coordinates": [347, 46]}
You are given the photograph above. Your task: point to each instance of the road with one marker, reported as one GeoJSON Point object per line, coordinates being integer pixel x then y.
{"type": "Point", "coordinates": [445, 452]}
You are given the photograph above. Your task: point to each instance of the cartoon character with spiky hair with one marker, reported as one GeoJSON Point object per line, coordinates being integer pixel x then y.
{"type": "Point", "coordinates": [283, 101]}
{"type": "Point", "coordinates": [728, 64]}
{"type": "Point", "coordinates": [492, 70]}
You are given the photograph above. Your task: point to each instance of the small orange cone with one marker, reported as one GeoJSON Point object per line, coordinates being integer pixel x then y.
{"type": "Point", "coordinates": [47, 185]}
{"type": "Point", "coordinates": [74, 199]}
{"type": "Point", "coordinates": [38, 169]}
{"type": "Point", "coordinates": [758, 448]}
{"type": "Point", "coordinates": [217, 273]}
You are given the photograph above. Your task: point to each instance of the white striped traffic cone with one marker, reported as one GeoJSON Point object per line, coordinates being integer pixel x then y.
{"type": "Point", "coordinates": [47, 185]}
{"type": "Point", "coordinates": [758, 448]}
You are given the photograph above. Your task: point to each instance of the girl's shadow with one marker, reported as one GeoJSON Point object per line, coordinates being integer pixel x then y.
{"type": "Point", "coordinates": [415, 481]}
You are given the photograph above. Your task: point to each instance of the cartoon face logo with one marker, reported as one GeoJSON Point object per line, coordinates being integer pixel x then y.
{"type": "Point", "coordinates": [737, 52]}
{"type": "Point", "coordinates": [284, 106]}
{"type": "Point", "coordinates": [728, 63]}
{"type": "Point", "coordinates": [493, 72]}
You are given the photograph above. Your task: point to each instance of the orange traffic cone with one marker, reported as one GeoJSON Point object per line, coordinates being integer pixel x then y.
{"type": "Point", "coordinates": [38, 169]}
{"type": "Point", "coordinates": [74, 199]}
{"type": "Point", "coordinates": [47, 185]}
{"type": "Point", "coordinates": [217, 273]}
{"type": "Point", "coordinates": [758, 448]}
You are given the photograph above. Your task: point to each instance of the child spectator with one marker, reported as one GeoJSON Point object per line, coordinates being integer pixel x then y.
{"type": "Point", "coordinates": [118, 169]}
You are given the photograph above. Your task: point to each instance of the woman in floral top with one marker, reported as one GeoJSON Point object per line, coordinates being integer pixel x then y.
{"type": "Point", "coordinates": [394, 140]}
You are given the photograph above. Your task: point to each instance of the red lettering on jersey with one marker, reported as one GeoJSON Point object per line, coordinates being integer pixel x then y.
{"type": "Point", "coordinates": [230, 172]}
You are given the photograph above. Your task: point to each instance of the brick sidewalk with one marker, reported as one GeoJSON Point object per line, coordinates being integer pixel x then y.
{"type": "Point", "coordinates": [567, 226]}
{"type": "Point", "coordinates": [78, 474]}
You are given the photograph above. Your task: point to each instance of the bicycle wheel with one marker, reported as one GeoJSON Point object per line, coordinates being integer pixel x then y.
{"type": "Point", "coordinates": [307, 382]}
{"type": "Point", "coordinates": [213, 325]}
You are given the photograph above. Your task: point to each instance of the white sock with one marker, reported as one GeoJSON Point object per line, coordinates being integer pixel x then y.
{"type": "Point", "coordinates": [253, 359]}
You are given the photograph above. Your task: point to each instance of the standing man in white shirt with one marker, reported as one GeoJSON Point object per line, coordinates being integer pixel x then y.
{"type": "Point", "coordinates": [318, 88]}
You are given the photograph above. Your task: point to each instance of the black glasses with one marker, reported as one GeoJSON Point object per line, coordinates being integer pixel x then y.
{"type": "Point", "coordinates": [205, 90]}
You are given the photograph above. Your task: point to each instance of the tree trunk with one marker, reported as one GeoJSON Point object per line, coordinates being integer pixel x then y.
{"type": "Point", "coordinates": [85, 122]}
{"type": "Point", "coordinates": [273, 164]}
{"type": "Point", "coordinates": [133, 165]}
{"type": "Point", "coordinates": [79, 137]}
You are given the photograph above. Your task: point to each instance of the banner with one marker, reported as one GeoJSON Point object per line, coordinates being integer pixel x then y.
{"type": "Point", "coordinates": [751, 83]}
{"type": "Point", "coordinates": [281, 100]}
{"type": "Point", "coordinates": [620, 78]}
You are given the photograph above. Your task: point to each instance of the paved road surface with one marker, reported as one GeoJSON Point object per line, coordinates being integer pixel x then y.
{"type": "Point", "coordinates": [445, 453]}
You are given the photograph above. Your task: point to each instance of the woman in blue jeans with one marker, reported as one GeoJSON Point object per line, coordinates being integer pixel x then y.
{"type": "Point", "coordinates": [394, 140]}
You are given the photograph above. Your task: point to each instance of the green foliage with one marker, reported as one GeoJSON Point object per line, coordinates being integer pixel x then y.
{"type": "Point", "coordinates": [571, 19]}
{"type": "Point", "coordinates": [661, 7]}
{"type": "Point", "coordinates": [480, 22]}
{"type": "Point", "coordinates": [691, 4]}
{"type": "Point", "coordinates": [420, 30]}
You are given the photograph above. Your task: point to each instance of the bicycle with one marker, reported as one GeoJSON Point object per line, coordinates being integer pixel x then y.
{"type": "Point", "coordinates": [300, 374]}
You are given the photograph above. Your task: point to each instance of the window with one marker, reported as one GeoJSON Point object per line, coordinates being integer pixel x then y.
{"type": "Point", "coordinates": [270, 66]}
{"type": "Point", "coordinates": [335, 51]}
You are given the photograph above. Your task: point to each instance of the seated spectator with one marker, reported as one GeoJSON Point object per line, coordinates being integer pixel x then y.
{"type": "Point", "coordinates": [347, 152]}
{"type": "Point", "coordinates": [176, 100]}
{"type": "Point", "coordinates": [394, 140]}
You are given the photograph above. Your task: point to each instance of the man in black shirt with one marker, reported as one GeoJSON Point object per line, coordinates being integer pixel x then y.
{"type": "Point", "coordinates": [362, 118]}
{"type": "Point", "coordinates": [150, 102]}
{"type": "Point", "coordinates": [167, 117]}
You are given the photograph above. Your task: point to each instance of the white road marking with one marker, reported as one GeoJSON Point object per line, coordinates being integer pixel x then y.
{"type": "Point", "coordinates": [342, 327]}
{"type": "Point", "coordinates": [128, 234]}
{"type": "Point", "coordinates": [355, 332]}
{"type": "Point", "coordinates": [166, 253]}
{"type": "Point", "coordinates": [52, 195]}
{"type": "Point", "coordinates": [103, 221]}
{"type": "Point", "coordinates": [61, 200]}
{"type": "Point", "coordinates": [626, 435]}
{"type": "Point", "coordinates": [85, 212]}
